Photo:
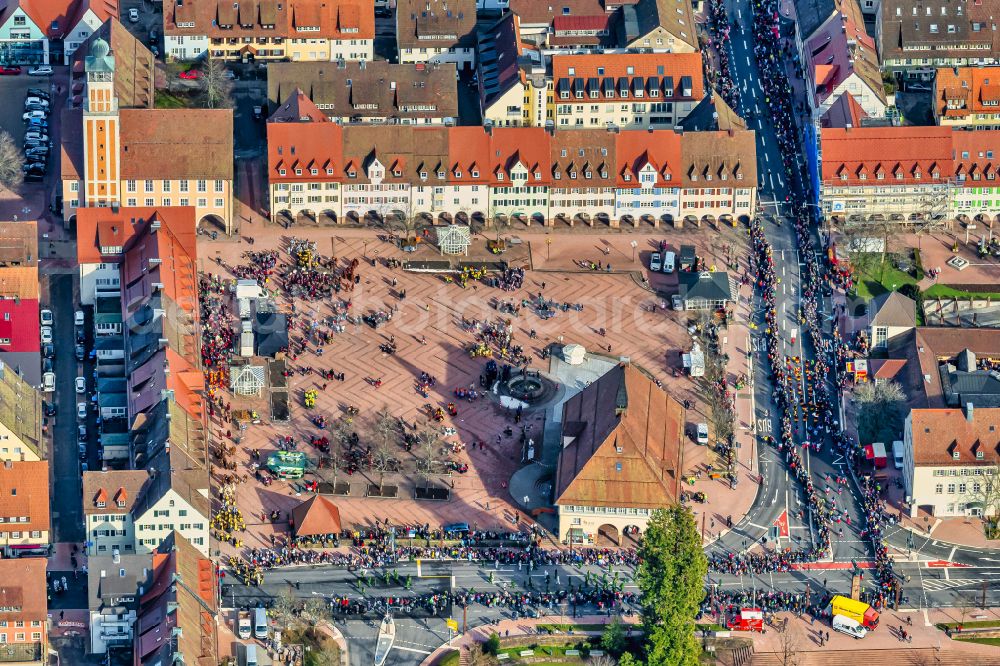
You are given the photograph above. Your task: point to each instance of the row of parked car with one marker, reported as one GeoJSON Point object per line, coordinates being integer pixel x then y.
{"type": "Point", "coordinates": [36, 135]}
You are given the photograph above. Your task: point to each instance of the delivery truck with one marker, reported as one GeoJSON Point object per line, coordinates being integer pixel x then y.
{"type": "Point", "coordinates": [858, 611]}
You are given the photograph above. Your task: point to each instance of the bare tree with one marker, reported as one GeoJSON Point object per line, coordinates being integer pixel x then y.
{"type": "Point", "coordinates": [284, 608]}
{"type": "Point", "coordinates": [477, 656]}
{"type": "Point", "coordinates": [880, 408]}
{"type": "Point", "coordinates": [427, 463]}
{"type": "Point", "coordinates": [216, 87]}
{"type": "Point", "coordinates": [315, 609]}
{"type": "Point", "coordinates": [789, 645]}
{"type": "Point", "coordinates": [987, 493]}
{"type": "Point", "coordinates": [868, 244]}
{"type": "Point", "coordinates": [602, 660]}
{"type": "Point", "coordinates": [386, 429]}
{"type": "Point", "coordinates": [11, 162]}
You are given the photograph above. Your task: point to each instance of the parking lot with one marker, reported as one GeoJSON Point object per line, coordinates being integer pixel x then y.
{"type": "Point", "coordinates": [150, 21]}
{"type": "Point", "coordinates": [30, 200]}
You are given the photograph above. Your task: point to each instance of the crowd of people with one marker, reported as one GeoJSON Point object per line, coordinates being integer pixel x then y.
{"type": "Point", "coordinates": [812, 406]}
{"type": "Point", "coordinates": [721, 75]}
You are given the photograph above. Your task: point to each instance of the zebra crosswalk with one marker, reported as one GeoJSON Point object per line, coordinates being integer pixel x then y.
{"type": "Point", "coordinates": [938, 584]}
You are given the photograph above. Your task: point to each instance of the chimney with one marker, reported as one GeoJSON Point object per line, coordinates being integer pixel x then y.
{"type": "Point", "coordinates": [8, 464]}
{"type": "Point", "coordinates": [969, 412]}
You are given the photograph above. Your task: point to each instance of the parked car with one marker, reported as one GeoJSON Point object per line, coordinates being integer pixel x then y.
{"type": "Point", "coordinates": [655, 262]}
{"type": "Point", "coordinates": [669, 262]}
{"type": "Point", "coordinates": [80, 352]}
{"type": "Point", "coordinates": [81, 337]}
{"type": "Point", "coordinates": [36, 155]}
{"type": "Point", "coordinates": [9, 70]}
{"type": "Point", "coordinates": [49, 382]}
{"type": "Point", "coordinates": [46, 335]}
{"type": "Point", "coordinates": [48, 351]}
{"type": "Point", "coordinates": [82, 432]}
{"type": "Point", "coordinates": [38, 124]}
{"type": "Point", "coordinates": [155, 50]}
{"type": "Point", "coordinates": [82, 446]}
{"type": "Point", "coordinates": [33, 166]}
{"type": "Point", "coordinates": [258, 112]}
{"type": "Point", "coordinates": [228, 74]}
{"type": "Point", "coordinates": [38, 101]}
{"type": "Point", "coordinates": [37, 143]}
{"type": "Point", "coordinates": [153, 36]}
{"type": "Point", "coordinates": [133, 15]}
{"type": "Point", "coordinates": [36, 136]}
{"type": "Point", "coordinates": [47, 365]}
{"type": "Point", "coordinates": [191, 74]}
{"type": "Point", "coordinates": [701, 434]}
{"type": "Point", "coordinates": [81, 411]}
{"type": "Point", "coordinates": [78, 318]}
{"type": "Point", "coordinates": [41, 70]}
{"type": "Point", "coordinates": [34, 176]}
{"type": "Point", "coordinates": [48, 408]}
{"type": "Point", "coordinates": [40, 114]}
{"type": "Point", "coordinates": [81, 385]}
{"type": "Point", "coordinates": [38, 92]}
{"type": "Point", "coordinates": [46, 318]}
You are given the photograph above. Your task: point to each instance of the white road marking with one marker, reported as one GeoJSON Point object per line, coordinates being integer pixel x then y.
{"type": "Point", "coordinates": [409, 649]}
{"type": "Point", "coordinates": [748, 61]}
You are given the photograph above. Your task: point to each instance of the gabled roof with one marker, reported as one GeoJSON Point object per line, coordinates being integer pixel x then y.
{"type": "Point", "coordinates": [333, 19]}
{"type": "Point", "coordinates": [435, 24]}
{"type": "Point", "coordinates": [915, 149]}
{"type": "Point", "coordinates": [528, 146]}
{"type": "Point", "coordinates": [940, 434]}
{"type": "Point", "coordinates": [712, 286]}
{"type": "Point", "coordinates": [659, 148]}
{"type": "Point", "coordinates": [23, 585]}
{"type": "Point", "coordinates": [297, 108]}
{"type": "Point", "coordinates": [894, 309]}
{"type": "Point", "coordinates": [675, 17]}
{"type": "Point", "coordinates": [105, 486]}
{"type": "Point", "coordinates": [622, 444]}
{"type": "Point", "coordinates": [316, 515]}
{"type": "Point", "coordinates": [24, 491]}
{"type": "Point", "coordinates": [21, 406]}
{"type": "Point", "coordinates": [710, 158]}
{"type": "Point", "coordinates": [134, 64]}
{"type": "Point", "coordinates": [845, 112]}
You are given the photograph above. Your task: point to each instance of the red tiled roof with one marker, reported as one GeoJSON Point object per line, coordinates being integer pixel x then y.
{"type": "Point", "coordinates": [95, 226]}
{"type": "Point", "coordinates": [468, 151]}
{"type": "Point", "coordinates": [977, 156]}
{"type": "Point", "coordinates": [24, 492]}
{"type": "Point", "coordinates": [23, 585]}
{"type": "Point", "coordinates": [973, 85]}
{"type": "Point", "coordinates": [671, 66]}
{"type": "Point", "coordinates": [19, 323]}
{"type": "Point", "coordinates": [528, 146]}
{"type": "Point", "coordinates": [853, 156]}
{"type": "Point", "coordinates": [336, 19]}
{"type": "Point", "coordinates": [304, 146]}
{"type": "Point", "coordinates": [660, 148]}
{"type": "Point", "coordinates": [596, 22]}
{"type": "Point", "coordinates": [939, 434]}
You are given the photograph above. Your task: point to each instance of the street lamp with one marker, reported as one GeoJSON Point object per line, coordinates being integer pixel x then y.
{"type": "Point", "coordinates": [634, 245]}
{"type": "Point", "coordinates": [548, 248]}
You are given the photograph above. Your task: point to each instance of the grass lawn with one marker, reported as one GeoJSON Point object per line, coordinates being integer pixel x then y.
{"type": "Point", "coordinates": [875, 280]}
{"type": "Point", "coordinates": [979, 624]}
{"type": "Point", "coordinates": [982, 641]}
{"type": "Point", "coordinates": [450, 659]}
{"type": "Point", "coordinates": [169, 100]}
{"type": "Point", "coordinates": [322, 648]}
{"type": "Point", "coordinates": [942, 291]}
{"type": "Point", "coordinates": [571, 627]}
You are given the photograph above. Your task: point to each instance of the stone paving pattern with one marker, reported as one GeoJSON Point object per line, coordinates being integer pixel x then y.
{"type": "Point", "coordinates": [638, 327]}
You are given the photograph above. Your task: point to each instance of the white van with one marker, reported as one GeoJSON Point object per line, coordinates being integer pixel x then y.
{"type": "Point", "coordinates": [250, 655]}
{"type": "Point", "coordinates": [260, 623]}
{"type": "Point", "coordinates": [846, 625]}
{"type": "Point", "coordinates": [669, 261]}
{"type": "Point", "coordinates": [48, 382]}
{"type": "Point", "coordinates": [897, 454]}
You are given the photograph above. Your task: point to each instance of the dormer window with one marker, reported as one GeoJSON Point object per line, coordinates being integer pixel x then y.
{"type": "Point", "coordinates": [314, 172]}
{"type": "Point", "coordinates": [329, 172]}
{"type": "Point", "coordinates": [423, 175]}
{"type": "Point", "coordinates": [475, 174]}
{"type": "Point", "coordinates": [628, 177]}
{"type": "Point", "coordinates": [604, 174]}
{"type": "Point", "coordinates": [101, 504]}
{"type": "Point", "coordinates": [558, 175]}
{"type": "Point", "coordinates": [397, 173]}
{"type": "Point", "coordinates": [863, 175]}
{"type": "Point", "coordinates": [572, 174]}
{"type": "Point", "coordinates": [500, 176]}
{"type": "Point", "coordinates": [739, 176]}
{"type": "Point", "coordinates": [588, 174]}
{"type": "Point", "coordinates": [458, 174]}
{"type": "Point", "coordinates": [955, 455]}
{"type": "Point", "coordinates": [121, 504]}
{"type": "Point", "coordinates": [880, 175]}
{"type": "Point", "coordinates": [538, 175]}
{"type": "Point", "coordinates": [281, 172]}
{"type": "Point", "coordinates": [723, 176]}
{"type": "Point", "coordinates": [352, 174]}
{"type": "Point", "coordinates": [440, 175]}
{"type": "Point", "coordinates": [916, 174]}
{"type": "Point", "coordinates": [298, 172]}
{"type": "Point", "coordinates": [899, 175]}
{"type": "Point", "coordinates": [979, 454]}
{"type": "Point", "coordinates": [843, 176]}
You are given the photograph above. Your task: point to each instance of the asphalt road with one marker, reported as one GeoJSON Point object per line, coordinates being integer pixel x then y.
{"type": "Point", "coordinates": [416, 636]}
{"type": "Point", "coordinates": [67, 509]}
